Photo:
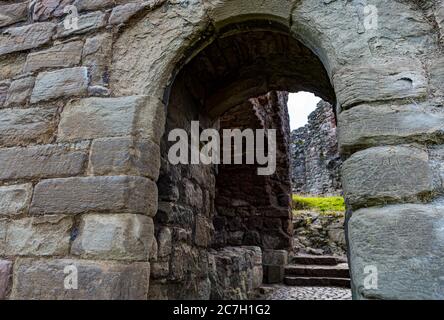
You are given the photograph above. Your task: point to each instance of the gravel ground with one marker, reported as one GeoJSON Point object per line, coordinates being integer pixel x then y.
{"type": "Point", "coordinates": [307, 293]}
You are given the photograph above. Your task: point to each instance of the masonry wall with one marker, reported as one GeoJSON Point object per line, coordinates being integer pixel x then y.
{"type": "Point", "coordinates": [315, 155]}
{"type": "Point", "coordinates": [75, 134]}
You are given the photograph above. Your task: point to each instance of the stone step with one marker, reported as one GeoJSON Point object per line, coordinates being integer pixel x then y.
{"type": "Point", "coordinates": [339, 271]}
{"type": "Point", "coordinates": [317, 282]}
{"type": "Point", "coordinates": [318, 260]}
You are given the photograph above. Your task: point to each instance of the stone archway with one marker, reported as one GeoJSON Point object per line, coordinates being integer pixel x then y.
{"type": "Point", "coordinates": [81, 178]}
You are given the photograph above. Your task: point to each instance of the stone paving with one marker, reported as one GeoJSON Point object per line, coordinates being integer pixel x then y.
{"type": "Point", "coordinates": [308, 293]}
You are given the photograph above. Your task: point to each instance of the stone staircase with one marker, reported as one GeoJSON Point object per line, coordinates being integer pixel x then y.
{"type": "Point", "coordinates": [317, 271]}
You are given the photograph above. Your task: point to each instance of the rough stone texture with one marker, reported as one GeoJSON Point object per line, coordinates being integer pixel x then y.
{"type": "Point", "coordinates": [5, 278]}
{"type": "Point", "coordinates": [26, 37]}
{"type": "Point", "coordinates": [24, 126]}
{"type": "Point", "coordinates": [405, 244]}
{"type": "Point", "coordinates": [380, 81]}
{"type": "Point", "coordinates": [315, 156]}
{"type": "Point", "coordinates": [112, 156]}
{"type": "Point", "coordinates": [43, 161]}
{"type": "Point", "coordinates": [94, 118]}
{"type": "Point", "coordinates": [236, 272]}
{"type": "Point", "coordinates": [367, 126]}
{"type": "Point", "coordinates": [97, 280]}
{"type": "Point", "coordinates": [60, 83]}
{"type": "Point", "coordinates": [63, 55]}
{"type": "Point", "coordinates": [114, 236]}
{"type": "Point", "coordinates": [36, 236]}
{"type": "Point", "coordinates": [11, 66]}
{"type": "Point", "coordinates": [319, 234]}
{"type": "Point", "coordinates": [307, 293]}
{"type": "Point", "coordinates": [95, 194]}
{"type": "Point", "coordinates": [393, 174]}
{"type": "Point", "coordinates": [12, 13]}
{"type": "Point", "coordinates": [86, 23]}
{"type": "Point", "coordinates": [15, 199]}
{"type": "Point", "coordinates": [97, 57]}
{"type": "Point", "coordinates": [20, 91]}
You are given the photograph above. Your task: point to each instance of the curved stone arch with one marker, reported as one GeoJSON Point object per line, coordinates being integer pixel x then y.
{"type": "Point", "coordinates": [364, 68]}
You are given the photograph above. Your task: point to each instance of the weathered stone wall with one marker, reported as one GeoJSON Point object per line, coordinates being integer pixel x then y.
{"type": "Point", "coordinates": [76, 132]}
{"type": "Point", "coordinates": [253, 209]}
{"type": "Point", "coordinates": [315, 154]}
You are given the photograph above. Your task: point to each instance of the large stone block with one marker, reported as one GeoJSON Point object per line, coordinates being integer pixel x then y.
{"type": "Point", "coordinates": [36, 236]}
{"type": "Point", "coordinates": [402, 248]}
{"type": "Point", "coordinates": [26, 37]}
{"type": "Point", "coordinates": [94, 118]}
{"type": "Point", "coordinates": [60, 83]}
{"type": "Point", "coordinates": [96, 55]}
{"type": "Point", "coordinates": [15, 199]}
{"type": "Point", "coordinates": [119, 194]}
{"type": "Point", "coordinates": [5, 277]}
{"type": "Point", "coordinates": [24, 126]}
{"type": "Point", "coordinates": [367, 126]}
{"type": "Point", "coordinates": [42, 161]}
{"type": "Point", "coordinates": [12, 13]}
{"type": "Point", "coordinates": [275, 257]}
{"type": "Point", "coordinates": [11, 66]}
{"type": "Point", "coordinates": [87, 22]}
{"type": "Point", "coordinates": [386, 174]}
{"type": "Point", "coordinates": [97, 280]}
{"type": "Point", "coordinates": [125, 155]}
{"type": "Point", "coordinates": [380, 81]}
{"type": "Point", "coordinates": [114, 237]}
{"type": "Point", "coordinates": [62, 55]}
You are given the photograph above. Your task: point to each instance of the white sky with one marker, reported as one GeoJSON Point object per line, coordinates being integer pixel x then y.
{"type": "Point", "coordinates": [300, 105]}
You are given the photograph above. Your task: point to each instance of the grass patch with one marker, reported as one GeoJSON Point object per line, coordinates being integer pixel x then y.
{"type": "Point", "coordinates": [320, 204]}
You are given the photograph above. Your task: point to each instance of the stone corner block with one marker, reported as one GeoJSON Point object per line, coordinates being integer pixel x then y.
{"type": "Point", "coordinates": [119, 194]}
{"type": "Point", "coordinates": [125, 155]}
{"type": "Point", "coordinates": [97, 280]}
{"type": "Point", "coordinates": [403, 247]}
{"type": "Point", "coordinates": [386, 175]}
{"type": "Point", "coordinates": [114, 237]}
{"type": "Point", "coordinates": [94, 118]}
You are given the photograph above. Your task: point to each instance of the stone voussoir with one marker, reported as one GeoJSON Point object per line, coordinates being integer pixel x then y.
{"type": "Point", "coordinates": [387, 175]}
{"type": "Point", "coordinates": [367, 126]}
{"type": "Point", "coordinates": [114, 237]}
{"type": "Point", "coordinates": [98, 280]}
{"type": "Point", "coordinates": [380, 81]}
{"type": "Point", "coordinates": [118, 194]}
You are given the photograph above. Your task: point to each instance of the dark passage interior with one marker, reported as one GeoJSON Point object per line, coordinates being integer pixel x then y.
{"type": "Point", "coordinates": [238, 81]}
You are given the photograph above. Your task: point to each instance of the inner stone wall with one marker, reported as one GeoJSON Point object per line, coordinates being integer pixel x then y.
{"type": "Point", "coordinates": [315, 155]}
{"type": "Point", "coordinates": [253, 209]}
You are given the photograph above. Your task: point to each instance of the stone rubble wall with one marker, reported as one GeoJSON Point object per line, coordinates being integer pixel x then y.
{"type": "Point", "coordinates": [315, 154]}
{"type": "Point", "coordinates": [253, 209]}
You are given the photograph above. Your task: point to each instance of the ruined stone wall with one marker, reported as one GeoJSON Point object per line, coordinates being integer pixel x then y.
{"type": "Point", "coordinates": [315, 154]}
{"type": "Point", "coordinates": [253, 209]}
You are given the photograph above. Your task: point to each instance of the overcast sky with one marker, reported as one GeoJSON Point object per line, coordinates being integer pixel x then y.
{"type": "Point", "coordinates": [300, 105]}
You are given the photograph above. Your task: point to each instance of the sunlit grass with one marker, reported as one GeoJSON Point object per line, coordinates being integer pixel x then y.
{"type": "Point", "coordinates": [320, 204]}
